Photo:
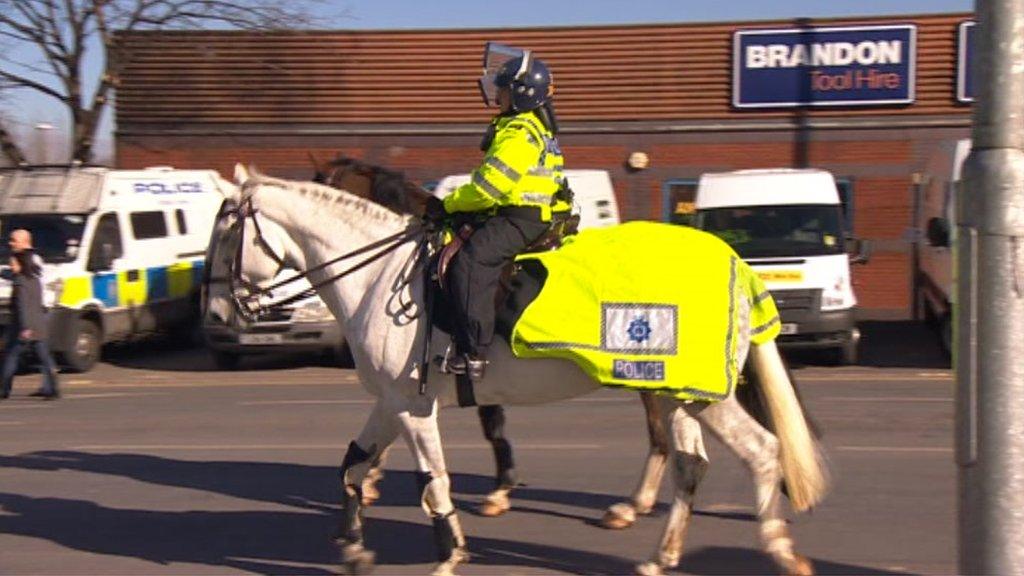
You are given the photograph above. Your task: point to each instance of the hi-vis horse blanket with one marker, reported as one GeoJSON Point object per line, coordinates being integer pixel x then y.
{"type": "Point", "coordinates": [648, 306]}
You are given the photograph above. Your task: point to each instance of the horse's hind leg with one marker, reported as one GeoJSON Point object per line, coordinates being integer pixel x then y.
{"type": "Point", "coordinates": [623, 514]}
{"type": "Point", "coordinates": [419, 427]}
{"type": "Point", "coordinates": [690, 462]}
{"type": "Point", "coordinates": [759, 449]}
{"type": "Point", "coordinates": [492, 419]}
{"type": "Point", "coordinates": [363, 455]}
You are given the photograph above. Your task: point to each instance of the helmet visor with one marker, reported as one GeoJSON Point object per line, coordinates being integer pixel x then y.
{"type": "Point", "coordinates": [495, 56]}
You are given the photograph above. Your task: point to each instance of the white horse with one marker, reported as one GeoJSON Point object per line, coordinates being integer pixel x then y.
{"type": "Point", "coordinates": [306, 225]}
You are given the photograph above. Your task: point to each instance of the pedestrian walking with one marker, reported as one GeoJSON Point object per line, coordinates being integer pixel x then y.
{"type": "Point", "coordinates": [27, 327]}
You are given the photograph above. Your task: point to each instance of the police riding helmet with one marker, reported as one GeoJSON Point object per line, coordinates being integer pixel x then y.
{"type": "Point", "coordinates": [529, 80]}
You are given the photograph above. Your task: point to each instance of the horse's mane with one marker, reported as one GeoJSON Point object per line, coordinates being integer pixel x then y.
{"type": "Point", "coordinates": [330, 198]}
{"type": "Point", "coordinates": [388, 188]}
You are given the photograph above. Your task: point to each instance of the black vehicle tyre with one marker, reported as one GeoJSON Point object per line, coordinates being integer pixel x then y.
{"type": "Point", "coordinates": [85, 349]}
{"type": "Point", "coordinates": [848, 353]}
{"type": "Point", "coordinates": [225, 360]}
{"type": "Point", "coordinates": [946, 335]}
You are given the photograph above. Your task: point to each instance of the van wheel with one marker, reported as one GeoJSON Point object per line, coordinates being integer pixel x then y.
{"type": "Point", "coordinates": [848, 353]}
{"type": "Point", "coordinates": [225, 360]}
{"type": "Point", "coordinates": [85, 347]}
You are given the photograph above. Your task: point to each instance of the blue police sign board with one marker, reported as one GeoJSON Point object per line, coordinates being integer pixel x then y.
{"type": "Point", "coordinates": [847, 66]}
{"type": "Point", "coordinates": [964, 73]}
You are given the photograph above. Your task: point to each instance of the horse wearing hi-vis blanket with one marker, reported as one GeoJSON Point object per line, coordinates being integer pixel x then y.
{"type": "Point", "coordinates": [683, 341]}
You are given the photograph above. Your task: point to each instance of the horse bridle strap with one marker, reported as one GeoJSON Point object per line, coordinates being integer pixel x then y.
{"type": "Point", "coordinates": [249, 303]}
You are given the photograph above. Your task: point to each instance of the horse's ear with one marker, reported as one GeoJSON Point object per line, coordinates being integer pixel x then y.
{"type": "Point", "coordinates": [241, 174]}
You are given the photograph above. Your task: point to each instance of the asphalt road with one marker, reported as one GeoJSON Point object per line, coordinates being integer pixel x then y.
{"type": "Point", "coordinates": [154, 463]}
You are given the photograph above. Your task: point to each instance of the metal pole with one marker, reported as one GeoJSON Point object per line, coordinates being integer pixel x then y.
{"type": "Point", "coordinates": [989, 308]}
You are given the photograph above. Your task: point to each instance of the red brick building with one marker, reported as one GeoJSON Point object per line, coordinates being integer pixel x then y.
{"type": "Point", "coordinates": [409, 100]}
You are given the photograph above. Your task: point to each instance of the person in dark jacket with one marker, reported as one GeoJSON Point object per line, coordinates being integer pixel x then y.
{"type": "Point", "coordinates": [27, 326]}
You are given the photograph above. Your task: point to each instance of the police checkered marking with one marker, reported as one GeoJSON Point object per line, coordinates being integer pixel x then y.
{"type": "Point", "coordinates": [639, 329]}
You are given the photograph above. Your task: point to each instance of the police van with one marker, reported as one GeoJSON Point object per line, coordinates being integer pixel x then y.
{"type": "Point", "coordinates": [305, 325]}
{"type": "Point", "coordinates": [593, 195]}
{"type": "Point", "coordinates": [788, 225]}
{"type": "Point", "coordinates": [123, 249]}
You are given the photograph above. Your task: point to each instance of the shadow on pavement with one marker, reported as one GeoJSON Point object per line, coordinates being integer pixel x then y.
{"type": "Point", "coordinates": [720, 560]}
{"type": "Point", "coordinates": [299, 541]}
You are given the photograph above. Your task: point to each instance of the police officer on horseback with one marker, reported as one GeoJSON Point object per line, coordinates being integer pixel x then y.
{"type": "Point", "coordinates": [513, 196]}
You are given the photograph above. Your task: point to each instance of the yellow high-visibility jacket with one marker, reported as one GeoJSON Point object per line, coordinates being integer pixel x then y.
{"type": "Point", "coordinates": [522, 167]}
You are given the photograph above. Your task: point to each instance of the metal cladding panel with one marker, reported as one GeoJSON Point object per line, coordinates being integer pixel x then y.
{"type": "Point", "coordinates": [602, 73]}
{"type": "Point", "coordinates": [50, 190]}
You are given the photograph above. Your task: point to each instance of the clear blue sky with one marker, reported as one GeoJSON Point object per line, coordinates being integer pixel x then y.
{"type": "Point", "coordinates": [24, 110]}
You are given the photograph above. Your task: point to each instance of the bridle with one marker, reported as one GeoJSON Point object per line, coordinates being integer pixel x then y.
{"type": "Point", "coordinates": [250, 300]}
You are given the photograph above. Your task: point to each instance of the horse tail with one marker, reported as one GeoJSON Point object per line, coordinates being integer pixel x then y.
{"type": "Point", "coordinates": [802, 464]}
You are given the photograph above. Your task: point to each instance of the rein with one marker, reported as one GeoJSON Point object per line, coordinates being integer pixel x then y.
{"type": "Point", "coordinates": [249, 305]}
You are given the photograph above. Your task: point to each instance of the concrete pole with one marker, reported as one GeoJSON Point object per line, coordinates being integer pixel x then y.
{"type": "Point", "coordinates": [989, 308]}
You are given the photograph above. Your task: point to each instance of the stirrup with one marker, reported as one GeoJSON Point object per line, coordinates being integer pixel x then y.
{"type": "Point", "coordinates": [460, 364]}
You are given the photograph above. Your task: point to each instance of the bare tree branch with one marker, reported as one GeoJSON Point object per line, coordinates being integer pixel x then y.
{"type": "Point", "coordinates": [60, 31]}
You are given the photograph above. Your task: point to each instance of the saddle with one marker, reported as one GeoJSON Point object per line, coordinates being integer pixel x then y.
{"type": "Point", "coordinates": [519, 283]}
{"type": "Point", "coordinates": [551, 239]}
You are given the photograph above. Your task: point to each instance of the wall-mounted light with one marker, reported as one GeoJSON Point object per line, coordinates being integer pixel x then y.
{"type": "Point", "coordinates": [638, 161]}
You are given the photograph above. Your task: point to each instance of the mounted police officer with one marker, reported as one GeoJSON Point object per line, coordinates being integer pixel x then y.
{"type": "Point", "coordinates": [515, 193]}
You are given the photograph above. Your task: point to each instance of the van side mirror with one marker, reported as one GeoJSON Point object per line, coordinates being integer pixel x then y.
{"type": "Point", "coordinates": [858, 250]}
{"type": "Point", "coordinates": [104, 260]}
{"type": "Point", "coordinates": [937, 232]}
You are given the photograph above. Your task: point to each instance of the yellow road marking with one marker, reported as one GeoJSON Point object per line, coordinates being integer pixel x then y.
{"type": "Point", "coordinates": [885, 399]}
{"type": "Point", "coordinates": [293, 402]}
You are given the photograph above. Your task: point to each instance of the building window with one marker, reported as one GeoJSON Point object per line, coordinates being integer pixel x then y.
{"type": "Point", "coordinates": [146, 225]}
{"type": "Point", "coordinates": [679, 195]}
{"type": "Point", "coordinates": [179, 215]}
{"type": "Point", "coordinates": [845, 187]}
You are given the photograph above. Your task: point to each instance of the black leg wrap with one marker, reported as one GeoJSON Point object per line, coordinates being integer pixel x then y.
{"type": "Point", "coordinates": [355, 456]}
{"type": "Point", "coordinates": [492, 418]}
{"type": "Point", "coordinates": [422, 479]}
{"type": "Point", "coordinates": [447, 537]}
{"type": "Point", "coordinates": [691, 469]}
{"type": "Point", "coordinates": [351, 523]}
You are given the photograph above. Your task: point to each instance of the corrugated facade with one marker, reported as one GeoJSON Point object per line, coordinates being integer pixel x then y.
{"type": "Point", "coordinates": [409, 100]}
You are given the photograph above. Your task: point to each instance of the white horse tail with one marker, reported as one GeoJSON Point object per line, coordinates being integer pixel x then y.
{"type": "Point", "coordinates": [802, 464]}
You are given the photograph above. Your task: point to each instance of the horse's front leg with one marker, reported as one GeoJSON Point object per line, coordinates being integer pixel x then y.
{"type": "Point", "coordinates": [623, 514]}
{"type": "Point", "coordinates": [363, 455]}
{"type": "Point", "coordinates": [419, 427]}
{"type": "Point", "coordinates": [492, 419]}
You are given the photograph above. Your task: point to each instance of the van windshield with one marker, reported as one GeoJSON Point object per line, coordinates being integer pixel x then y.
{"type": "Point", "coordinates": [777, 231]}
{"type": "Point", "coordinates": [56, 237]}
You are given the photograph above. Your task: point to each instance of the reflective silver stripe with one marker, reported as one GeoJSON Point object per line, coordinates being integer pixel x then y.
{"type": "Point", "coordinates": [491, 190]}
{"type": "Point", "coordinates": [536, 197]}
{"type": "Point", "coordinates": [764, 327]}
{"type": "Point", "coordinates": [541, 171]}
{"type": "Point", "coordinates": [761, 297]}
{"type": "Point", "coordinates": [729, 328]}
{"type": "Point", "coordinates": [499, 165]}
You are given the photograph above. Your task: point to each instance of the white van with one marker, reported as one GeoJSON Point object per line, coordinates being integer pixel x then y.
{"type": "Point", "coordinates": [123, 249]}
{"type": "Point", "coordinates": [302, 326]}
{"type": "Point", "coordinates": [594, 197]}
{"type": "Point", "coordinates": [937, 211]}
{"type": "Point", "coordinates": [788, 225]}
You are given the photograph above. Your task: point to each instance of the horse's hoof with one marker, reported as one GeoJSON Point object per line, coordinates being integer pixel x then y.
{"type": "Point", "coordinates": [494, 505]}
{"type": "Point", "coordinates": [619, 517]}
{"type": "Point", "coordinates": [447, 568]}
{"type": "Point", "coordinates": [370, 496]}
{"type": "Point", "coordinates": [800, 566]}
{"type": "Point", "coordinates": [648, 569]}
{"type": "Point", "coordinates": [357, 560]}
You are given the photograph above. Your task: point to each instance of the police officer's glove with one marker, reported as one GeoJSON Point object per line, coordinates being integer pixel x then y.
{"type": "Point", "coordinates": [434, 212]}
